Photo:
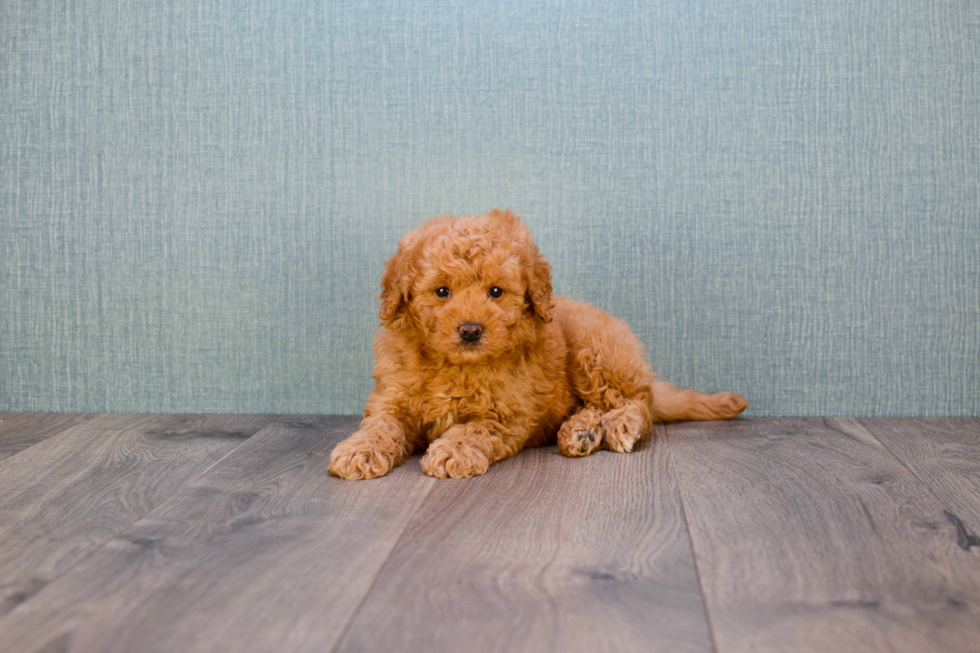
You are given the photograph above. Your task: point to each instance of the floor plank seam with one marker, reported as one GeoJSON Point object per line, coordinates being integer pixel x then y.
{"type": "Point", "coordinates": [85, 420]}
{"type": "Point", "coordinates": [690, 542]}
{"type": "Point", "coordinates": [98, 548]}
{"type": "Point", "coordinates": [381, 567]}
{"type": "Point", "coordinates": [946, 507]}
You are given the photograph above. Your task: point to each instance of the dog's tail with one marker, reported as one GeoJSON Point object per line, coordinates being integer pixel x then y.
{"type": "Point", "coordinates": [673, 405]}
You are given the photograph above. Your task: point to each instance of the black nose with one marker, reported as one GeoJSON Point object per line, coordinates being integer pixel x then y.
{"type": "Point", "coordinates": [470, 332]}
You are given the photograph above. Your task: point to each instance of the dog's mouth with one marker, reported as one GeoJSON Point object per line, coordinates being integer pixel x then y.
{"type": "Point", "coordinates": [470, 351]}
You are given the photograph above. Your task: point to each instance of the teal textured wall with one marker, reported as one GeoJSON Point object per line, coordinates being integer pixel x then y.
{"type": "Point", "coordinates": [196, 197]}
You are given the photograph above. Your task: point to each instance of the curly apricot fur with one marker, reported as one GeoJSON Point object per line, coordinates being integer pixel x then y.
{"type": "Point", "coordinates": [544, 369]}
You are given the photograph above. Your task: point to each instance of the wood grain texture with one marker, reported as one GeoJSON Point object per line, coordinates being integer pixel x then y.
{"type": "Point", "coordinates": [944, 453]}
{"type": "Point", "coordinates": [544, 553]}
{"type": "Point", "coordinates": [810, 536]}
{"type": "Point", "coordinates": [18, 431]}
{"type": "Point", "coordinates": [64, 497]}
{"type": "Point", "coordinates": [264, 552]}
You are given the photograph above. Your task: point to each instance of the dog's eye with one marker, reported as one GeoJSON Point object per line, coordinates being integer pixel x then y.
{"type": "Point", "coordinates": [442, 292]}
{"type": "Point", "coordinates": [496, 292]}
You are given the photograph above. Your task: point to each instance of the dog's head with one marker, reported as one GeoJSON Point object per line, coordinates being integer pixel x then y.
{"type": "Point", "coordinates": [468, 288]}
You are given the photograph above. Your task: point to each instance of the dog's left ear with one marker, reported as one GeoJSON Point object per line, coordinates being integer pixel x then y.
{"type": "Point", "coordinates": [539, 286]}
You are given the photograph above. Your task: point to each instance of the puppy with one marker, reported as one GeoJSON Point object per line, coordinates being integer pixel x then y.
{"type": "Point", "coordinates": [477, 360]}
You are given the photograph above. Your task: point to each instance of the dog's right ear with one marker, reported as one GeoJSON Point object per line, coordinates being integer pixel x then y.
{"type": "Point", "coordinates": [394, 287]}
{"type": "Point", "coordinates": [396, 282]}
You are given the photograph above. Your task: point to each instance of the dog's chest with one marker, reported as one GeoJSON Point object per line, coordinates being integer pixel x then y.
{"type": "Point", "coordinates": [461, 397]}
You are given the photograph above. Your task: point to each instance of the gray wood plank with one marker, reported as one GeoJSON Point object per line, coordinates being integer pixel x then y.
{"type": "Point", "coordinates": [944, 453]}
{"type": "Point", "coordinates": [19, 431]}
{"type": "Point", "coordinates": [544, 553]}
{"type": "Point", "coordinates": [65, 496]}
{"type": "Point", "coordinates": [810, 536]}
{"type": "Point", "coordinates": [264, 552]}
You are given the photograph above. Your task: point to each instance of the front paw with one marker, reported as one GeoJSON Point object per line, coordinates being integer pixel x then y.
{"type": "Point", "coordinates": [454, 459]}
{"type": "Point", "coordinates": [357, 457]}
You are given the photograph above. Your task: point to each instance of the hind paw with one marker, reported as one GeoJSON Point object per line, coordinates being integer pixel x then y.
{"type": "Point", "coordinates": [622, 428]}
{"type": "Point", "coordinates": [581, 435]}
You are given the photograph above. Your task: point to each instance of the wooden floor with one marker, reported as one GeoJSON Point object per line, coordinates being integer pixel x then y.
{"type": "Point", "coordinates": [176, 533]}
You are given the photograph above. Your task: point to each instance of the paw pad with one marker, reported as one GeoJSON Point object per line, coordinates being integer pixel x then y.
{"type": "Point", "coordinates": [586, 439]}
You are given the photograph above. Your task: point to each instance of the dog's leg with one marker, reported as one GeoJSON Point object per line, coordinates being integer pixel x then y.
{"type": "Point", "coordinates": [581, 434]}
{"type": "Point", "coordinates": [671, 404]}
{"type": "Point", "coordinates": [469, 449]}
{"type": "Point", "coordinates": [381, 444]}
{"type": "Point", "coordinates": [613, 380]}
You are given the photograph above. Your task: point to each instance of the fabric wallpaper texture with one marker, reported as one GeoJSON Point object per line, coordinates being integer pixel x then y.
{"type": "Point", "coordinates": [196, 197]}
